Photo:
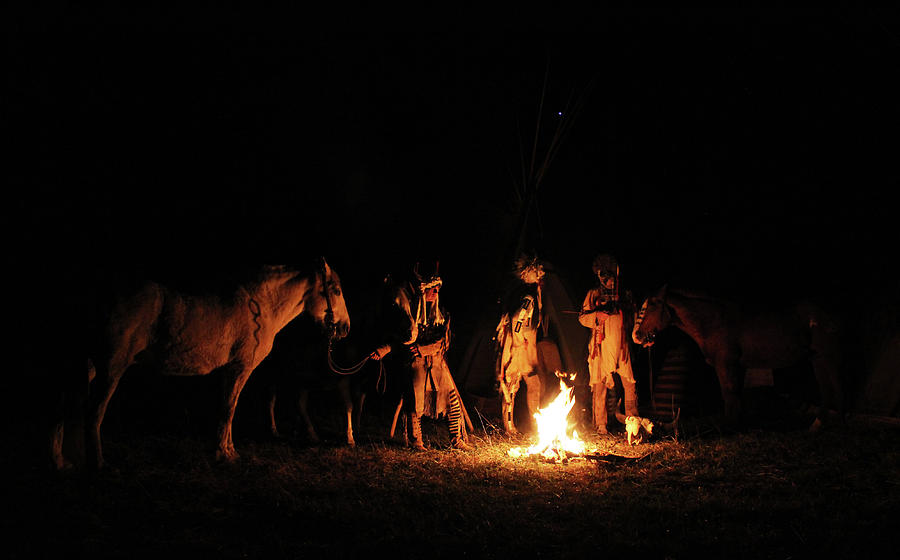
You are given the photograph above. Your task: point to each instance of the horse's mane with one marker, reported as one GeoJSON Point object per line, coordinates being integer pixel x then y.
{"type": "Point", "coordinates": [205, 278]}
{"type": "Point", "coordinates": [400, 293]}
{"type": "Point", "coordinates": [304, 269]}
{"type": "Point", "coordinates": [745, 302]}
{"type": "Point", "coordinates": [696, 293]}
{"type": "Point", "coordinates": [397, 295]}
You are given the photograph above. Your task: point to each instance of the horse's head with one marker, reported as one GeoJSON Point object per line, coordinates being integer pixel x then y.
{"type": "Point", "coordinates": [653, 317]}
{"type": "Point", "coordinates": [326, 302]}
{"type": "Point", "coordinates": [401, 294]}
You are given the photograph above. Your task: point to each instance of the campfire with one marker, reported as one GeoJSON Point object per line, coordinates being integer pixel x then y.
{"type": "Point", "coordinates": [554, 442]}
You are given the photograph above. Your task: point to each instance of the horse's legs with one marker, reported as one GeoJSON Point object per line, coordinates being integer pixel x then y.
{"type": "Point", "coordinates": [101, 391]}
{"type": "Point", "coordinates": [303, 409]}
{"type": "Point", "coordinates": [360, 400]}
{"type": "Point", "coordinates": [397, 416]}
{"type": "Point", "coordinates": [57, 429]}
{"type": "Point", "coordinates": [826, 359]}
{"type": "Point", "coordinates": [344, 390]}
{"type": "Point", "coordinates": [270, 409]}
{"type": "Point", "coordinates": [234, 384]}
{"type": "Point", "coordinates": [56, 438]}
{"type": "Point", "coordinates": [730, 383]}
{"type": "Point", "coordinates": [69, 384]}
{"type": "Point", "coordinates": [831, 392]}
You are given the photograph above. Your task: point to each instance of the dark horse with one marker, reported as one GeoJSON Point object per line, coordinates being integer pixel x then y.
{"type": "Point", "coordinates": [176, 332]}
{"type": "Point", "coordinates": [733, 339]}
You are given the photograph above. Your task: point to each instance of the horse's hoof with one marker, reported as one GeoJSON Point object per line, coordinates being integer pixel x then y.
{"type": "Point", "coordinates": [102, 470]}
{"type": "Point", "coordinates": [61, 465]}
{"type": "Point", "coordinates": [96, 465]}
{"type": "Point", "coordinates": [227, 457]}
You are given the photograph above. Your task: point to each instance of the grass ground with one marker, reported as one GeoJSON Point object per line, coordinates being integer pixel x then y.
{"type": "Point", "coordinates": [761, 493]}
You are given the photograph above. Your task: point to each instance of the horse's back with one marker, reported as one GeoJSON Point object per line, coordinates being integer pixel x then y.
{"type": "Point", "coordinates": [781, 336]}
{"type": "Point", "coordinates": [170, 328]}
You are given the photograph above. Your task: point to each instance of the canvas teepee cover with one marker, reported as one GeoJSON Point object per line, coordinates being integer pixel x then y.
{"type": "Point", "coordinates": [564, 347]}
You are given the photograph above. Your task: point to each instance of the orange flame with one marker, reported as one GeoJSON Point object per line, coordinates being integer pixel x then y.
{"type": "Point", "coordinates": [554, 442]}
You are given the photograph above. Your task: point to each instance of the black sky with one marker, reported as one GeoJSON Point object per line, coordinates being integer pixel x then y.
{"type": "Point", "coordinates": [760, 148]}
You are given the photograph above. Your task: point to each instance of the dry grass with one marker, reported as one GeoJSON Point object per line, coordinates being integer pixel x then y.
{"type": "Point", "coordinates": [757, 494]}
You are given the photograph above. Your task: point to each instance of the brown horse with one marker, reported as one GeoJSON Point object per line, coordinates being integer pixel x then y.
{"type": "Point", "coordinates": [178, 333]}
{"type": "Point", "coordinates": [733, 339]}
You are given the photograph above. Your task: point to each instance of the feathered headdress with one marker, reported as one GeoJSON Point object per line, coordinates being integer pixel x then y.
{"type": "Point", "coordinates": [605, 263]}
{"type": "Point", "coordinates": [432, 281]}
{"type": "Point", "coordinates": [529, 269]}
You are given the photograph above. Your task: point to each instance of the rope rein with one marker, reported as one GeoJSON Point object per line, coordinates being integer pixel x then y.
{"type": "Point", "coordinates": [381, 380]}
{"type": "Point", "coordinates": [329, 321]}
{"type": "Point", "coordinates": [342, 370]}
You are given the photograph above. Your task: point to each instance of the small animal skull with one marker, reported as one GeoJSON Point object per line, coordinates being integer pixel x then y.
{"type": "Point", "coordinates": [633, 425]}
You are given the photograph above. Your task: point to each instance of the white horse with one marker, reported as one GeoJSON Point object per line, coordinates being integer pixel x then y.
{"type": "Point", "coordinates": [177, 333]}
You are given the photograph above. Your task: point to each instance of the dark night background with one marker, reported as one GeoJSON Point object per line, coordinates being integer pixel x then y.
{"type": "Point", "coordinates": [752, 152]}
{"type": "Point", "coordinates": [749, 151]}
{"type": "Point", "coordinates": [759, 147]}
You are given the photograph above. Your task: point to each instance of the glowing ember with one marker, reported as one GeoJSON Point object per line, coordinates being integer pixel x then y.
{"type": "Point", "coordinates": [554, 442]}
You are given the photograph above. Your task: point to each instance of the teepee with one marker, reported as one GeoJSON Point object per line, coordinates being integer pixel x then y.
{"type": "Point", "coordinates": [563, 346]}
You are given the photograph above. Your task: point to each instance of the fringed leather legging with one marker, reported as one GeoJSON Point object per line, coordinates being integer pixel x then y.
{"type": "Point", "coordinates": [454, 417]}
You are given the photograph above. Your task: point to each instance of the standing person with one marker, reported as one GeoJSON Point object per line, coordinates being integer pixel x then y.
{"type": "Point", "coordinates": [419, 338]}
{"type": "Point", "coordinates": [517, 334]}
{"type": "Point", "coordinates": [608, 349]}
